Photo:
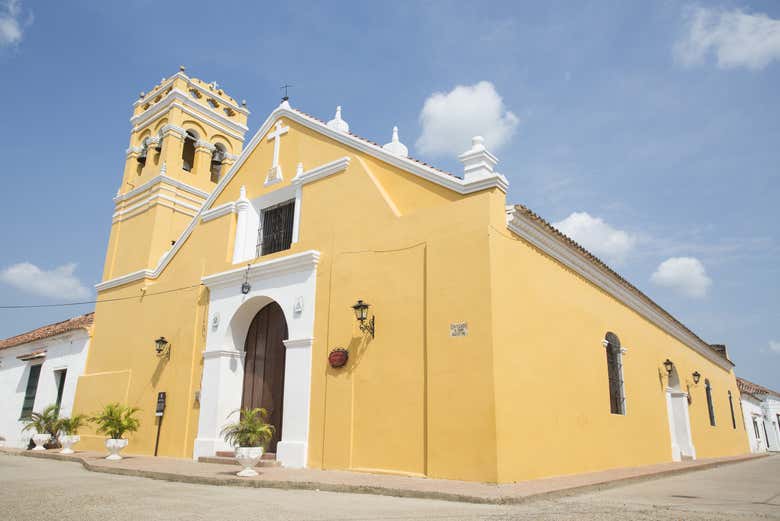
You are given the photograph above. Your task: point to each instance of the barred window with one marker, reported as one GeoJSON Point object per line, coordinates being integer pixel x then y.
{"type": "Point", "coordinates": [617, 398]}
{"type": "Point", "coordinates": [277, 228]}
{"type": "Point", "coordinates": [731, 406]}
{"type": "Point", "coordinates": [30, 391]}
{"type": "Point", "coordinates": [708, 391]}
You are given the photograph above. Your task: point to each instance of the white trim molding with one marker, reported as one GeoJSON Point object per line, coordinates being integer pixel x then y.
{"type": "Point", "coordinates": [541, 238]}
{"type": "Point", "coordinates": [164, 179]}
{"type": "Point", "coordinates": [304, 261]}
{"type": "Point", "coordinates": [217, 212]}
{"type": "Point", "coordinates": [181, 100]}
{"type": "Point", "coordinates": [321, 172]}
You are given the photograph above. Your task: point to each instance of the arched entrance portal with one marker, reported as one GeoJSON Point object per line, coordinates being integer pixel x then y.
{"type": "Point", "coordinates": [679, 420]}
{"type": "Point", "coordinates": [264, 366]}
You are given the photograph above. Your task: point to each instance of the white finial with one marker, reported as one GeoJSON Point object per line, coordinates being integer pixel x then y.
{"type": "Point", "coordinates": [242, 193]}
{"type": "Point", "coordinates": [163, 168]}
{"type": "Point", "coordinates": [395, 146]}
{"type": "Point", "coordinates": [477, 161]}
{"type": "Point", "coordinates": [337, 123]}
{"type": "Point", "coordinates": [299, 170]}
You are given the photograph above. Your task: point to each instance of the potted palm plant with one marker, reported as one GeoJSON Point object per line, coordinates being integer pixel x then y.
{"type": "Point", "coordinates": [114, 421]}
{"type": "Point", "coordinates": [249, 435]}
{"type": "Point", "coordinates": [69, 429]}
{"type": "Point", "coordinates": [46, 425]}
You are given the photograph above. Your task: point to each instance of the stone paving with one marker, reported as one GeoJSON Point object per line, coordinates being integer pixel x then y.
{"type": "Point", "coordinates": [33, 489]}
{"type": "Point", "coordinates": [189, 471]}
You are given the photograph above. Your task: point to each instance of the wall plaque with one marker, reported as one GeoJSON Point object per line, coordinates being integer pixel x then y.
{"type": "Point", "coordinates": [459, 329]}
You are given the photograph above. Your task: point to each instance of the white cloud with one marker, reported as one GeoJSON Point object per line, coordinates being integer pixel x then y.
{"type": "Point", "coordinates": [774, 346]}
{"type": "Point", "coordinates": [450, 119]}
{"type": "Point", "coordinates": [598, 237]}
{"type": "Point", "coordinates": [685, 275]}
{"type": "Point", "coordinates": [58, 283]}
{"type": "Point", "coordinates": [737, 39]}
{"type": "Point", "coordinates": [11, 30]}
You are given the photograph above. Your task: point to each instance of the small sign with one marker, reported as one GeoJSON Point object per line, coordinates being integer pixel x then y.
{"type": "Point", "coordinates": [160, 404]}
{"type": "Point", "coordinates": [459, 329]}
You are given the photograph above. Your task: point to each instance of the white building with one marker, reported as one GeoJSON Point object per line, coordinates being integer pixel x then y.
{"type": "Point", "coordinates": [39, 368]}
{"type": "Point", "coordinates": [761, 411]}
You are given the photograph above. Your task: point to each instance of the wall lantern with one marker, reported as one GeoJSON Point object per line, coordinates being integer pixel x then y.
{"type": "Point", "coordinates": [669, 365]}
{"type": "Point", "coordinates": [162, 348]}
{"type": "Point", "coordinates": [246, 287]}
{"type": "Point", "coordinates": [696, 377]}
{"type": "Point", "coordinates": [361, 313]}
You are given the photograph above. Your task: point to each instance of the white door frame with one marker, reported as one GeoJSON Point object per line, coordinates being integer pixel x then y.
{"type": "Point", "coordinates": [291, 282]}
{"type": "Point", "coordinates": [679, 424]}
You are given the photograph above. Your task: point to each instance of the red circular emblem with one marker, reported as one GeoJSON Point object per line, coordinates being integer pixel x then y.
{"type": "Point", "coordinates": [338, 357]}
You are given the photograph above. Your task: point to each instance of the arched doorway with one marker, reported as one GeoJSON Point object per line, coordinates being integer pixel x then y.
{"type": "Point", "coordinates": [679, 420]}
{"type": "Point", "coordinates": [264, 366]}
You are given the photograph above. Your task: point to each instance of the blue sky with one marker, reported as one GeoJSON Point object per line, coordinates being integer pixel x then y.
{"type": "Point", "coordinates": [648, 131]}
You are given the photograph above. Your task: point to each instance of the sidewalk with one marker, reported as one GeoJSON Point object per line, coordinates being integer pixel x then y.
{"type": "Point", "coordinates": [189, 471]}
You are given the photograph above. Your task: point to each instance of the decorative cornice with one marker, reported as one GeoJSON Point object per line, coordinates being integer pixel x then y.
{"type": "Point", "coordinates": [177, 98]}
{"type": "Point", "coordinates": [202, 143]}
{"type": "Point", "coordinates": [169, 82]}
{"type": "Point", "coordinates": [173, 129]}
{"type": "Point", "coordinates": [124, 279]}
{"type": "Point", "coordinates": [304, 261]}
{"type": "Point", "coordinates": [223, 353]}
{"type": "Point", "coordinates": [334, 167]}
{"type": "Point", "coordinates": [219, 211]}
{"type": "Point", "coordinates": [133, 150]}
{"type": "Point", "coordinates": [456, 184]}
{"type": "Point", "coordinates": [296, 343]}
{"type": "Point", "coordinates": [160, 179]}
{"type": "Point", "coordinates": [541, 238]}
{"type": "Point", "coordinates": [176, 204]}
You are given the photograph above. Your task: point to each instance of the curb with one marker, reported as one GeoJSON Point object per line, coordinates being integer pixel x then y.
{"type": "Point", "coordinates": [378, 490]}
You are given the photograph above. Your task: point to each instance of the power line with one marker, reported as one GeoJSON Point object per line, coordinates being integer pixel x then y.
{"type": "Point", "coordinates": [65, 304]}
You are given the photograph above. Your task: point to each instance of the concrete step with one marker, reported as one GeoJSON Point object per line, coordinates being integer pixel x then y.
{"type": "Point", "coordinates": [230, 460]}
{"type": "Point", "coordinates": [231, 454]}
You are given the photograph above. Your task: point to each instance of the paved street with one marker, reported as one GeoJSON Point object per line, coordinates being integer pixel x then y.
{"type": "Point", "coordinates": [34, 489]}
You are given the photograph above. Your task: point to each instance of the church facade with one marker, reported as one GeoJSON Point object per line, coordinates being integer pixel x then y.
{"type": "Point", "coordinates": [390, 316]}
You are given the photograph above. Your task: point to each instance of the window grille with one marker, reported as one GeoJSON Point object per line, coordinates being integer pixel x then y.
{"type": "Point", "coordinates": [708, 390]}
{"type": "Point", "coordinates": [617, 399]}
{"type": "Point", "coordinates": [731, 406]}
{"type": "Point", "coordinates": [30, 391]}
{"type": "Point", "coordinates": [276, 231]}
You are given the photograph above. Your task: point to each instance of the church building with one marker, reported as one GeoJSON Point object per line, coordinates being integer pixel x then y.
{"type": "Point", "coordinates": [390, 316]}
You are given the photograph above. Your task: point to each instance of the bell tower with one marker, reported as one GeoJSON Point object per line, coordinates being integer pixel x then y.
{"type": "Point", "coordinates": [185, 135]}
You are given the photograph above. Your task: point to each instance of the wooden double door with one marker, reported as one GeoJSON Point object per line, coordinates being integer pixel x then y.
{"type": "Point", "coordinates": [264, 366]}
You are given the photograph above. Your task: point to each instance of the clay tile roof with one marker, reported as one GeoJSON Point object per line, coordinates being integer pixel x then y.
{"type": "Point", "coordinates": [754, 389]}
{"type": "Point", "coordinates": [79, 322]}
{"type": "Point", "coordinates": [525, 211]}
{"type": "Point", "coordinates": [361, 138]}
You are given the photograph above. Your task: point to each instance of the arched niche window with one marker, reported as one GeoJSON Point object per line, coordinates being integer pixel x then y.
{"type": "Point", "coordinates": [617, 397]}
{"type": "Point", "coordinates": [188, 151]}
{"type": "Point", "coordinates": [708, 391]}
{"type": "Point", "coordinates": [731, 406]}
{"type": "Point", "coordinates": [217, 157]}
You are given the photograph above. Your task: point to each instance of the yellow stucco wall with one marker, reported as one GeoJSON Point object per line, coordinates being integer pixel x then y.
{"type": "Point", "coordinates": [523, 395]}
{"type": "Point", "coordinates": [552, 389]}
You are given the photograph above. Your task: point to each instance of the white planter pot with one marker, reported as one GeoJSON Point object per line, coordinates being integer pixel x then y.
{"type": "Point", "coordinates": [248, 457]}
{"type": "Point", "coordinates": [67, 441]}
{"type": "Point", "coordinates": [114, 446]}
{"type": "Point", "coordinates": [40, 440]}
